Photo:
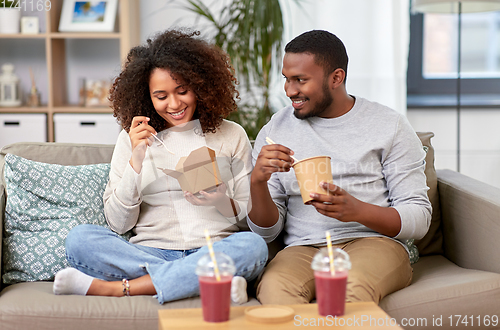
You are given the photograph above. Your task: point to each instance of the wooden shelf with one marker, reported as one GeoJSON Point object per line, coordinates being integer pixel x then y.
{"type": "Point", "coordinates": [77, 109]}
{"type": "Point", "coordinates": [42, 109]}
{"type": "Point", "coordinates": [64, 35]}
{"type": "Point", "coordinates": [127, 34]}
{"type": "Point", "coordinates": [23, 36]}
{"type": "Point", "coordinates": [85, 35]}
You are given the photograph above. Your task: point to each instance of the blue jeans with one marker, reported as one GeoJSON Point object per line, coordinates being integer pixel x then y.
{"type": "Point", "coordinates": [101, 253]}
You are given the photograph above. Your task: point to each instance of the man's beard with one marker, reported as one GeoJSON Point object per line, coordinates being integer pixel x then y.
{"type": "Point", "coordinates": [318, 108]}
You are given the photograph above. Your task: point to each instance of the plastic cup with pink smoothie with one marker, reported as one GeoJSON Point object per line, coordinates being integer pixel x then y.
{"type": "Point", "coordinates": [331, 287]}
{"type": "Point", "coordinates": [215, 293]}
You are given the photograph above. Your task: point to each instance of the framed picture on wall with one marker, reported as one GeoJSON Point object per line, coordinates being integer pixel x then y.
{"type": "Point", "coordinates": [88, 16]}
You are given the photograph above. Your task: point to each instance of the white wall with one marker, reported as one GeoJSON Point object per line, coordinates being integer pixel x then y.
{"type": "Point", "coordinates": [90, 59]}
{"type": "Point", "coordinates": [479, 133]}
{"type": "Point", "coordinates": [160, 15]}
{"type": "Point", "coordinates": [376, 36]}
{"type": "Point", "coordinates": [379, 28]}
{"type": "Point", "coordinates": [479, 140]}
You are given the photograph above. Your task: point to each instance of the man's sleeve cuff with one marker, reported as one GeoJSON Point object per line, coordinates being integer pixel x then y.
{"type": "Point", "coordinates": [267, 233]}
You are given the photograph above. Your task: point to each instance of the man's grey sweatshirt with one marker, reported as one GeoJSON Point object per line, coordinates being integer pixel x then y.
{"type": "Point", "coordinates": [376, 157]}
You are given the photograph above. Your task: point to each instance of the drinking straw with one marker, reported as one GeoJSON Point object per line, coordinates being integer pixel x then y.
{"type": "Point", "coordinates": [212, 255]}
{"type": "Point", "coordinates": [162, 143]}
{"type": "Point", "coordinates": [269, 141]}
{"type": "Point", "coordinates": [330, 252]}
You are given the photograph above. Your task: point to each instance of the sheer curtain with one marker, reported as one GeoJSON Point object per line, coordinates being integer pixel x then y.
{"type": "Point", "coordinates": [376, 36]}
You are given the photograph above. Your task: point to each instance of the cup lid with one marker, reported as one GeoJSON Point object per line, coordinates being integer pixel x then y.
{"type": "Point", "coordinates": [225, 264]}
{"type": "Point", "coordinates": [321, 261]}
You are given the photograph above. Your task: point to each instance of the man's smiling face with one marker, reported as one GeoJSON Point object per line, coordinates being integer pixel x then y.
{"type": "Point", "coordinates": [307, 86]}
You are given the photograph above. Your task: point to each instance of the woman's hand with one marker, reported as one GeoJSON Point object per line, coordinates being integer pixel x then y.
{"type": "Point", "coordinates": [217, 198]}
{"type": "Point", "coordinates": [140, 138]}
{"type": "Point", "coordinates": [209, 199]}
{"type": "Point", "coordinates": [140, 131]}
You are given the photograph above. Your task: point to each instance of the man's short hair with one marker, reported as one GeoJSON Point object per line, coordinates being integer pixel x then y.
{"type": "Point", "coordinates": [328, 50]}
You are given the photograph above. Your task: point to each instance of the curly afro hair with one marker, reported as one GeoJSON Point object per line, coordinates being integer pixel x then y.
{"type": "Point", "coordinates": [203, 68]}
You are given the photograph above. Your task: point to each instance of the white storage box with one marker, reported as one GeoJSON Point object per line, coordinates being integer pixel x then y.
{"type": "Point", "coordinates": [86, 128]}
{"type": "Point", "coordinates": [22, 128]}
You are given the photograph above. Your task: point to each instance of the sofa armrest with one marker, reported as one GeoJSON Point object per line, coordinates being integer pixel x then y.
{"type": "Point", "coordinates": [470, 212]}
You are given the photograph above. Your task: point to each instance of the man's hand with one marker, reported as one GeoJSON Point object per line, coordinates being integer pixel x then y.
{"type": "Point", "coordinates": [342, 206]}
{"type": "Point", "coordinates": [338, 204]}
{"type": "Point", "coordinates": [272, 158]}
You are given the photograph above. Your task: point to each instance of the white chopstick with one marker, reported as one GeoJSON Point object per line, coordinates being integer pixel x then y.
{"type": "Point", "coordinates": [269, 141]}
{"type": "Point", "coordinates": [162, 143]}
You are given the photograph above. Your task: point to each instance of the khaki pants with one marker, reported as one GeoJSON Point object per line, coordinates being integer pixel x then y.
{"type": "Point", "coordinates": [380, 266]}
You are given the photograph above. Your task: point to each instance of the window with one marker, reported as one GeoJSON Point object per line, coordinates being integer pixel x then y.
{"type": "Point", "coordinates": [432, 65]}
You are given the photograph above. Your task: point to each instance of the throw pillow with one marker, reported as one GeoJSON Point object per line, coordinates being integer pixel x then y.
{"type": "Point", "coordinates": [432, 242]}
{"type": "Point", "coordinates": [44, 202]}
{"type": "Point", "coordinates": [410, 243]}
{"type": "Point", "coordinates": [413, 251]}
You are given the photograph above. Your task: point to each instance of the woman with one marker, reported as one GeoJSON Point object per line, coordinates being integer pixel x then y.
{"type": "Point", "coordinates": [178, 88]}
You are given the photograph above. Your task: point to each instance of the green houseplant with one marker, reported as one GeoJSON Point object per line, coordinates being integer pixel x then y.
{"type": "Point", "coordinates": [9, 4]}
{"type": "Point", "coordinates": [251, 32]}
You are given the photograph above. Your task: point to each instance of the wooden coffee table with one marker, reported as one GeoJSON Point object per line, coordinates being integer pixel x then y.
{"type": "Point", "coordinates": [361, 315]}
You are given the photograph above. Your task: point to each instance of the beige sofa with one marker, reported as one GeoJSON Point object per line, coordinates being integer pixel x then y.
{"type": "Point", "coordinates": [459, 274]}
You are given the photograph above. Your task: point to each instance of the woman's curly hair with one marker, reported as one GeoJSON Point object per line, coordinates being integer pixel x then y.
{"type": "Point", "coordinates": [203, 68]}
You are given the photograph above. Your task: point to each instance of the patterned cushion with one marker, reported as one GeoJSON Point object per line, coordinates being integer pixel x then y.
{"type": "Point", "coordinates": [44, 201]}
{"type": "Point", "coordinates": [410, 244]}
{"type": "Point", "coordinates": [412, 250]}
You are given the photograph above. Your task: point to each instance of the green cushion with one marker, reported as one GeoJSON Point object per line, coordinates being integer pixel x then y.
{"type": "Point", "coordinates": [413, 251]}
{"type": "Point", "coordinates": [44, 202]}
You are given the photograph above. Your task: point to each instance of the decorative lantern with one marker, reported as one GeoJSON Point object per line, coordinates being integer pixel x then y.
{"type": "Point", "coordinates": [9, 87]}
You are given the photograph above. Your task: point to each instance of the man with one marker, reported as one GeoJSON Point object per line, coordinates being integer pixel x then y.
{"type": "Point", "coordinates": [378, 199]}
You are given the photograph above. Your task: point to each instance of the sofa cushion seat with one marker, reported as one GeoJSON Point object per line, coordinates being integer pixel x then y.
{"type": "Point", "coordinates": [32, 305]}
{"type": "Point", "coordinates": [440, 285]}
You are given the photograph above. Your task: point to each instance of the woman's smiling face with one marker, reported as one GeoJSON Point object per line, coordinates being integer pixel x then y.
{"type": "Point", "coordinates": [172, 101]}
